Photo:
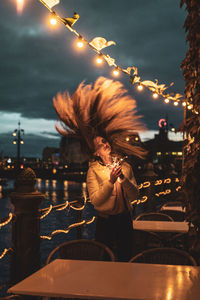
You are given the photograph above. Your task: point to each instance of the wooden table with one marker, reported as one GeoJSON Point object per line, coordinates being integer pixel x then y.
{"type": "Point", "coordinates": [112, 280]}
{"type": "Point", "coordinates": [161, 226]}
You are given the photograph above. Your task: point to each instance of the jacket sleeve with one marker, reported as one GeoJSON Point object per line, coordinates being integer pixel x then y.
{"type": "Point", "coordinates": [99, 193]}
{"type": "Point", "coordinates": [129, 184]}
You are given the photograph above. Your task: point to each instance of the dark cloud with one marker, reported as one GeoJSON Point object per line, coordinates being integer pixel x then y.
{"type": "Point", "coordinates": [37, 62]}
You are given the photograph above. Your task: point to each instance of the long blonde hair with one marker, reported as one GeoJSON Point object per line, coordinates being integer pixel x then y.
{"type": "Point", "coordinates": [102, 109]}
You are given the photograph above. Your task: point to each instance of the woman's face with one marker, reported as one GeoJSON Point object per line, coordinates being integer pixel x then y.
{"type": "Point", "coordinates": [102, 147]}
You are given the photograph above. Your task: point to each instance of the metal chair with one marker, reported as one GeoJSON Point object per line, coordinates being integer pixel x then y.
{"type": "Point", "coordinates": [154, 216]}
{"type": "Point", "coordinates": [82, 250]}
{"type": "Point", "coordinates": [173, 203]}
{"type": "Point", "coordinates": [143, 240]}
{"type": "Point", "coordinates": [176, 215]}
{"type": "Point", "coordinates": [165, 256]}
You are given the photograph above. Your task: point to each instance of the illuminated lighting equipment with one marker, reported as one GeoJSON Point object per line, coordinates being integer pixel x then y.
{"type": "Point", "coordinates": [53, 20]}
{"type": "Point", "coordinates": [140, 87]}
{"type": "Point", "coordinates": [173, 129]}
{"type": "Point", "coordinates": [127, 139]}
{"type": "Point", "coordinates": [155, 95]}
{"type": "Point", "coordinates": [18, 132]}
{"type": "Point", "coordinates": [80, 42]}
{"type": "Point", "coordinates": [189, 106]}
{"type": "Point", "coordinates": [166, 100]}
{"type": "Point", "coordinates": [175, 103]}
{"type": "Point", "coordinates": [99, 59]}
{"type": "Point", "coordinates": [184, 103]}
{"type": "Point", "coordinates": [115, 72]}
{"type": "Point", "coordinates": [136, 138]}
{"type": "Point", "coordinates": [20, 6]}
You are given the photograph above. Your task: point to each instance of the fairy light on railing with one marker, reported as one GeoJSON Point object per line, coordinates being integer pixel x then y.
{"type": "Point", "coordinates": [75, 225]}
{"type": "Point", "coordinates": [7, 221]}
{"type": "Point", "coordinates": [5, 251]}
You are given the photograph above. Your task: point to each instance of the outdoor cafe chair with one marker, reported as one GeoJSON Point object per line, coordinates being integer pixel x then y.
{"type": "Point", "coordinates": [173, 203]}
{"type": "Point", "coordinates": [154, 216]}
{"type": "Point", "coordinates": [165, 256]}
{"type": "Point", "coordinates": [143, 240]}
{"type": "Point", "coordinates": [82, 249]}
{"type": "Point", "coordinates": [176, 215]}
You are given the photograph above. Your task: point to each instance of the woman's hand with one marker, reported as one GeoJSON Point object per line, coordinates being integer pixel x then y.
{"type": "Point", "coordinates": [115, 173]}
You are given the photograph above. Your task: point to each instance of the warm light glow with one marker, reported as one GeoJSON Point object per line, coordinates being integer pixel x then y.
{"type": "Point", "coordinates": [140, 87]}
{"type": "Point", "coordinates": [14, 142]}
{"type": "Point", "coordinates": [184, 103]}
{"type": "Point", "coordinates": [20, 6]}
{"type": "Point", "coordinates": [14, 134]}
{"type": "Point", "coordinates": [175, 103]}
{"type": "Point", "coordinates": [155, 95]}
{"type": "Point", "coordinates": [166, 100]}
{"type": "Point", "coordinates": [115, 72]}
{"type": "Point", "coordinates": [173, 129]}
{"type": "Point", "coordinates": [53, 21]}
{"type": "Point", "coordinates": [127, 139]}
{"type": "Point", "coordinates": [22, 142]}
{"type": "Point", "coordinates": [99, 60]}
{"type": "Point", "coordinates": [80, 44]}
{"type": "Point", "coordinates": [189, 106]}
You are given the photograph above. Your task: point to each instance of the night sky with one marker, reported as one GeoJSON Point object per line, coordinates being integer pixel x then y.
{"type": "Point", "coordinates": [38, 61]}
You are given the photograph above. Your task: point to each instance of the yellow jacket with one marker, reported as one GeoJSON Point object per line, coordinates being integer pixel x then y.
{"type": "Point", "coordinates": [102, 192]}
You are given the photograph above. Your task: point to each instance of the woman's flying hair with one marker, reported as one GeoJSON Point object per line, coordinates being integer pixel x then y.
{"type": "Point", "coordinates": [102, 109]}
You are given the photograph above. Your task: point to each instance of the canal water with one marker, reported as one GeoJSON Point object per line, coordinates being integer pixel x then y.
{"type": "Point", "coordinates": [56, 192]}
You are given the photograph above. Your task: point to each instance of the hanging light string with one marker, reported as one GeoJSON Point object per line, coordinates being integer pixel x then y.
{"type": "Point", "coordinates": [99, 43]}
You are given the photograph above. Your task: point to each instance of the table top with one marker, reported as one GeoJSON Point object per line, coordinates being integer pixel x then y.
{"type": "Point", "coordinates": [180, 208]}
{"type": "Point", "coordinates": [161, 226]}
{"type": "Point", "coordinates": [112, 280]}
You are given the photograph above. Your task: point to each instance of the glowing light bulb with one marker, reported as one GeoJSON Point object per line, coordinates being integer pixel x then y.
{"type": "Point", "coordinates": [115, 72]}
{"type": "Point", "coordinates": [175, 103]}
{"type": "Point", "coordinates": [166, 100]}
{"type": "Point", "coordinates": [22, 142]}
{"type": "Point", "coordinates": [80, 42]}
{"type": "Point", "coordinates": [20, 6]}
{"type": "Point", "coordinates": [189, 106]}
{"type": "Point", "coordinates": [53, 21]}
{"type": "Point", "coordinates": [184, 103]}
{"type": "Point", "coordinates": [155, 95]}
{"type": "Point", "coordinates": [99, 60]}
{"type": "Point", "coordinates": [14, 142]}
{"type": "Point", "coordinates": [140, 87]}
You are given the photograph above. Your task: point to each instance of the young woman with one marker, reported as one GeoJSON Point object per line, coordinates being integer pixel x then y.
{"type": "Point", "coordinates": [102, 116]}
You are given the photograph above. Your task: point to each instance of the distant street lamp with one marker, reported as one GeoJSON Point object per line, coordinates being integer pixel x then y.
{"type": "Point", "coordinates": [18, 141]}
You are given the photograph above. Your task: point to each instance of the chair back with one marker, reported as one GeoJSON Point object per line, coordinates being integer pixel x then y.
{"type": "Point", "coordinates": [154, 216]}
{"type": "Point", "coordinates": [165, 256]}
{"type": "Point", "coordinates": [176, 215]}
{"type": "Point", "coordinates": [173, 203]}
{"type": "Point", "coordinates": [143, 240]}
{"type": "Point", "coordinates": [82, 249]}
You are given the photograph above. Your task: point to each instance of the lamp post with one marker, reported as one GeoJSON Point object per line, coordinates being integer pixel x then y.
{"type": "Point", "coordinates": [18, 141]}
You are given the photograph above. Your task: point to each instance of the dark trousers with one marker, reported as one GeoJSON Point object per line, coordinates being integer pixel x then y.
{"type": "Point", "coordinates": [116, 231]}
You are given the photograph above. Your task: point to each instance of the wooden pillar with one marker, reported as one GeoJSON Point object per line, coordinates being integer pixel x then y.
{"type": "Point", "coordinates": [25, 227]}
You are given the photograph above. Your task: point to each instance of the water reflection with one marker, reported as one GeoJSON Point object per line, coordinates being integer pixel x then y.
{"type": "Point", "coordinates": [56, 192]}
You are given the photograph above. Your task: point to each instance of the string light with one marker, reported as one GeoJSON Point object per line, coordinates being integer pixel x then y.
{"type": "Point", "coordinates": [189, 106]}
{"type": "Point", "coordinates": [175, 103]}
{"type": "Point", "coordinates": [140, 87]}
{"type": "Point", "coordinates": [80, 42]}
{"type": "Point", "coordinates": [155, 95]}
{"type": "Point", "coordinates": [53, 20]}
{"type": "Point", "coordinates": [166, 100]}
{"type": "Point", "coordinates": [184, 103]}
{"type": "Point", "coordinates": [134, 78]}
{"type": "Point", "coordinates": [115, 72]}
{"type": "Point", "coordinates": [99, 59]}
